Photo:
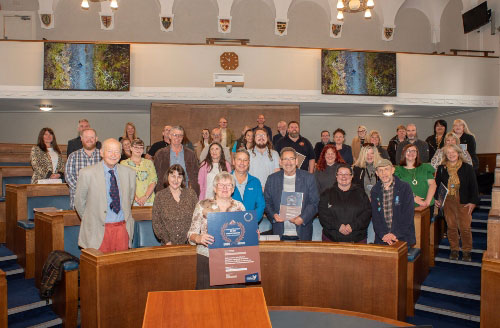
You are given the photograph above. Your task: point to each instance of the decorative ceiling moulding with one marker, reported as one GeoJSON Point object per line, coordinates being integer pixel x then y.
{"type": "Point", "coordinates": [46, 13]}
{"type": "Point", "coordinates": [166, 15]}
{"type": "Point", "coordinates": [281, 20]}
{"type": "Point", "coordinates": [107, 16]}
{"type": "Point", "coordinates": [269, 95]}
{"type": "Point", "coordinates": [224, 17]}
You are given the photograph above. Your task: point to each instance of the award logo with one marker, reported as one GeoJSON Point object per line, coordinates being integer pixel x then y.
{"type": "Point", "coordinates": [232, 232]}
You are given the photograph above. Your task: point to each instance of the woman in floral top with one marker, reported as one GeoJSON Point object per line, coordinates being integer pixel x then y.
{"type": "Point", "coordinates": [197, 235]}
{"type": "Point", "coordinates": [146, 178]}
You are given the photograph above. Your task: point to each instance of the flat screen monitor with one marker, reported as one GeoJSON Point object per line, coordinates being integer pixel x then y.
{"type": "Point", "coordinates": [476, 17]}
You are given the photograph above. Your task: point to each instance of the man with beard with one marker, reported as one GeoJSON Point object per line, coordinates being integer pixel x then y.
{"type": "Point", "coordinates": [75, 144]}
{"type": "Point", "coordinates": [77, 160]}
{"type": "Point", "coordinates": [291, 180]}
{"type": "Point", "coordinates": [303, 147]}
{"type": "Point", "coordinates": [264, 161]}
{"type": "Point", "coordinates": [423, 147]}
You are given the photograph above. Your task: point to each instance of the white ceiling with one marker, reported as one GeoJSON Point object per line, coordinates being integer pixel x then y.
{"type": "Point", "coordinates": [307, 108]}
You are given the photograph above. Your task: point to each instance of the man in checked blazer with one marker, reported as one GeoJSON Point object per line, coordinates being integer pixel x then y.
{"type": "Point", "coordinates": [103, 199]}
{"type": "Point", "coordinates": [292, 180]}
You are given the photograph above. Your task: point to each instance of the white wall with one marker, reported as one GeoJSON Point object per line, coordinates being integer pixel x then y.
{"type": "Point", "coordinates": [24, 127]}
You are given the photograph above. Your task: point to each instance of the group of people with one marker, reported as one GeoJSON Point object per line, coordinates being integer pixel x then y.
{"type": "Point", "coordinates": [356, 191]}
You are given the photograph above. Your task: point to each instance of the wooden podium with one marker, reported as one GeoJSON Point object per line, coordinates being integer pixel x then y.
{"type": "Point", "coordinates": [236, 307]}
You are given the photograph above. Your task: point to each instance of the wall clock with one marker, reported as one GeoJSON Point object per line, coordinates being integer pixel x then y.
{"type": "Point", "coordinates": [229, 61]}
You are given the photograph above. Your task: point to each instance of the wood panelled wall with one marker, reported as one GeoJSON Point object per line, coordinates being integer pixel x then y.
{"type": "Point", "coordinates": [195, 117]}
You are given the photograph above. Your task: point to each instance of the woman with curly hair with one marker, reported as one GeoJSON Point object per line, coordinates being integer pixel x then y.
{"type": "Point", "coordinates": [326, 168]}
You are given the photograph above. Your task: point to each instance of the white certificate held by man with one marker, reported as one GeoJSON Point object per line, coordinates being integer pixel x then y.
{"type": "Point", "coordinates": [291, 205]}
{"type": "Point", "coordinates": [234, 256]}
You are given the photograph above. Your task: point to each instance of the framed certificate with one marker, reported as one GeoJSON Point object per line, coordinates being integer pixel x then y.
{"type": "Point", "coordinates": [234, 256]}
{"type": "Point", "coordinates": [291, 204]}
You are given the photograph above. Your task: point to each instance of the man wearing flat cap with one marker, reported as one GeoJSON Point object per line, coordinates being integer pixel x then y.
{"type": "Point", "coordinates": [392, 207]}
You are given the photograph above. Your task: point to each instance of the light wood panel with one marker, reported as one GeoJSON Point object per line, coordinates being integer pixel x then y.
{"type": "Point", "coordinates": [490, 295]}
{"type": "Point", "coordinates": [20, 153]}
{"type": "Point", "coordinates": [236, 307]}
{"type": "Point", "coordinates": [194, 117]}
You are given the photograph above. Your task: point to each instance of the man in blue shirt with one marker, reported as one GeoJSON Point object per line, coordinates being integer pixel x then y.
{"type": "Point", "coordinates": [248, 189]}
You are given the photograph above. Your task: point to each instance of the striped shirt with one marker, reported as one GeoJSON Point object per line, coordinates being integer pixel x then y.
{"type": "Point", "coordinates": [77, 160]}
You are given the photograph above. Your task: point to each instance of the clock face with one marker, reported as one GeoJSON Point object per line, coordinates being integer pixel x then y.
{"type": "Point", "coordinates": [229, 61]}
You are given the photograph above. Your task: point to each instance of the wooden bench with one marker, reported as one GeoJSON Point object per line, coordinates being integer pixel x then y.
{"type": "Point", "coordinates": [363, 278]}
{"type": "Point", "coordinates": [3, 300]}
{"type": "Point", "coordinates": [50, 236]}
{"type": "Point", "coordinates": [19, 198]}
{"type": "Point", "coordinates": [20, 153]}
{"type": "Point", "coordinates": [490, 295]}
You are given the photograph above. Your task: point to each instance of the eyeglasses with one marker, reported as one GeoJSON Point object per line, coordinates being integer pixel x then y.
{"type": "Point", "coordinates": [215, 135]}
{"type": "Point", "coordinates": [344, 175]}
{"type": "Point", "coordinates": [225, 186]}
{"type": "Point", "coordinates": [138, 147]}
{"type": "Point", "coordinates": [260, 135]}
{"type": "Point", "coordinates": [288, 159]}
{"type": "Point", "coordinates": [177, 135]}
{"type": "Point", "coordinates": [409, 151]}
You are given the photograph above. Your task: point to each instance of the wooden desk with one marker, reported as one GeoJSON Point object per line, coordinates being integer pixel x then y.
{"type": "Point", "coordinates": [16, 199]}
{"type": "Point", "coordinates": [362, 278]}
{"type": "Point", "coordinates": [422, 233]}
{"type": "Point", "coordinates": [232, 307]}
{"type": "Point", "coordinates": [10, 171]}
{"type": "Point", "coordinates": [490, 292]}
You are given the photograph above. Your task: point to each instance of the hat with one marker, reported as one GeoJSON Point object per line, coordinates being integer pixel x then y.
{"type": "Point", "coordinates": [383, 162]}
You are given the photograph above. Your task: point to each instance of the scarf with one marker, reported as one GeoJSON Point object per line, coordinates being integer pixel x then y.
{"type": "Point", "coordinates": [453, 180]}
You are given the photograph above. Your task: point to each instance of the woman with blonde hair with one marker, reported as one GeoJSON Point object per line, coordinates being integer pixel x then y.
{"type": "Point", "coordinates": [450, 139]}
{"type": "Point", "coordinates": [463, 195]}
{"type": "Point", "coordinates": [467, 140]}
{"type": "Point", "coordinates": [129, 132]}
{"type": "Point", "coordinates": [376, 139]}
{"type": "Point", "coordinates": [363, 174]}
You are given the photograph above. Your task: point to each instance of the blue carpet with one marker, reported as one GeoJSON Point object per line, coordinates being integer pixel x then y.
{"type": "Point", "coordinates": [450, 276]}
{"type": "Point", "coordinates": [439, 321]}
{"type": "Point", "coordinates": [481, 214]}
{"type": "Point", "coordinates": [32, 317]}
{"type": "Point", "coordinates": [479, 241]}
{"type": "Point", "coordinates": [22, 292]}
{"type": "Point", "coordinates": [4, 251]}
{"type": "Point", "coordinates": [483, 224]}
{"type": "Point", "coordinates": [9, 265]}
{"type": "Point", "coordinates": [452, 303]}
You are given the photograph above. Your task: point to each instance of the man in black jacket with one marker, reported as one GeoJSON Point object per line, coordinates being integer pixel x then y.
{"type": "Point", "coordinates": [76, 143]}
{"type": "Point", "coordinates": [392, 207]}
{"type": "Point", "coordinates": [344, 210]}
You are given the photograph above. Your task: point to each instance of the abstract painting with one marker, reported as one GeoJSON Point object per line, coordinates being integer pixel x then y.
{"type": "Point", "coordinates": [358, 73]}
{"type": "Point", "coordinates": [86, 66]}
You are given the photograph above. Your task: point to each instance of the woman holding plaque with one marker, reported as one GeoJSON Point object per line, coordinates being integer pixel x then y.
{"type": "Point", "coordinates": [223, 188]}
{"type": "Point", "coordinates": [173, 208]}
{"type": "Point", "coordinates": [460, 180]}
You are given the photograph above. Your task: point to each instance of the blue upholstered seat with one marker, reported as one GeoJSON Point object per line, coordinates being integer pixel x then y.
{"type": "Point", "coordinates": [26, 224]}
{"type": "Point", "coordinates": [144, 235]}
{"type": "Point", "coordinates": [2, 199]}
{"type": "Point", "coordinates": [413, 253]}
{"type": "Point", "coordinates": [14, 180]}
{"type": "Point", "coordinates": [265, 225]}
{"type": "Point", "coordinates": [71, 240]}
{"type": "Point", "coordinates": [15, 164]}
{"type": "Point", "coordinates": [60, 202]}
{"type": "Point", "coordinates": [70, 265]}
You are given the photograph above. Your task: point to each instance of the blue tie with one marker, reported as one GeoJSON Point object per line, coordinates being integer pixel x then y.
{"type": "Point", "coordinates": [114, 193]}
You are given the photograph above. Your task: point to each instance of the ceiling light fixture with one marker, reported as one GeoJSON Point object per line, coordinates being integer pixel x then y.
{"type": "Point", "coordinates": [85, 4]}
{"type": "Point", "coordinates": [354, 6]}
{"type": "Point", "coordinates": [114, 4]}
{"type": "Point", "coordinates": [388, 112]}
{"type": "Point", "coordinates": [45, 107]}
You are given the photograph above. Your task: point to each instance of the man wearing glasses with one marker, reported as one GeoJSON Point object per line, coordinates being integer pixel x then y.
{"type": "Point", "coordinates": [291, 180]}
{"type": "Point", "coordinates": [176, 153]}
{"type": "Point", "coordinates": [423, 147]}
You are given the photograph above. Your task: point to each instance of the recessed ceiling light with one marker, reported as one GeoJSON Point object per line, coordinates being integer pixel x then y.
{"type": "Point", "coordinates": [45, 107]}
{"type": "Point", "coordinates": [388, 112]}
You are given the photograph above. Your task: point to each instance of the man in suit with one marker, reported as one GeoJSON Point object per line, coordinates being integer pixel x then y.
{"type": "Point", "coordinates": [176, 153]}
{"type": "Point", "coordinates": [291, 180]}
{"type": "Point", "coordinates": [103, 199]}
{"type": "Point", "coordinates": [76, 143]}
